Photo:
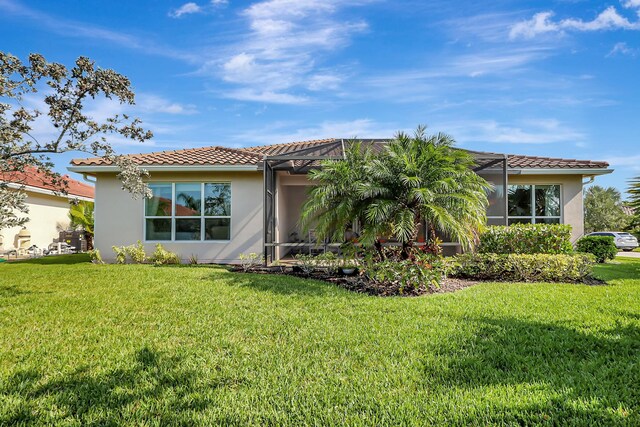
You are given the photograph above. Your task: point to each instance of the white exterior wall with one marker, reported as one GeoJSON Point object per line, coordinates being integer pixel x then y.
{"type": "Point", "coordinates": [120, 218]}
{"type": "Point", "coordinates": [46, 214]}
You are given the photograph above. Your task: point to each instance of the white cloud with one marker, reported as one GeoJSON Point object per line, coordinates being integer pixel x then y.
{"type": "Point", "coordinates": [219, 2]}
{"type": "Point", "coordinates": [622, 49]}
{"type": "Point", "coordinates": [542, 23]}
{"type": "Point", "coordinates": [288, 132]}
{"type": "Point", "coordinates": [539, 131]}
{"type": "Point", "coordinates": [248, 94]}
{"type": "Point", "coordinates": [157, 104]}
{"type": "Point", "coordinates": [632, 162]}
{"type": "Point", "coordinates": [81, 30]}
{"type": "Point", "coordinates": [284, 47]}
{"type": "Point", "coordinates": [186, 9]}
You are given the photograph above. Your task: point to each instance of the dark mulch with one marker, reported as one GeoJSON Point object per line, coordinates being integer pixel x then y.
{"type": "Point", "coordinates": [360, 284]}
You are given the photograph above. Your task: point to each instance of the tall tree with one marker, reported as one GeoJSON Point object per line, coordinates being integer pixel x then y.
{"type": "Point", "coordinates": [65, 93]}
{"type": "Point", "coordinates": [81, 217]}
{"type": "Point", "coordinates": [634, 201]}
{"type": "Point", "coordinates": [414, 179]}
{"type": "Point", "coordinates": [603, 210]}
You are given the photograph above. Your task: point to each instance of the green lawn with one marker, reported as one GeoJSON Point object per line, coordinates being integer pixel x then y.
{"type": "Point", "coordinates": [106, 344]}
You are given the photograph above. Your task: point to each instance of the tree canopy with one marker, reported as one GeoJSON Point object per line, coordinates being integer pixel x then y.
{"type": "Point", "coordinates": [603, 210]}
{"type": "Point", "coordinates": [64, 93]}
{"type": "Point", "coordinates": [414, 179]}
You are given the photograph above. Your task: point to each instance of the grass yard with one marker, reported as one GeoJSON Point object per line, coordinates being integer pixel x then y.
{"type": "Point", "coordinates": [106, 344]}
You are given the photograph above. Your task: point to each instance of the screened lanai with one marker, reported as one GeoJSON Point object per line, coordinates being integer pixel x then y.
{"type": "Point", "coordinates": [285, 170]}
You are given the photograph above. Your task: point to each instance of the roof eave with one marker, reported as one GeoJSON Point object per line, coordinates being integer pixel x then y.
{"type": "Point", "coordinates": [561, 171]}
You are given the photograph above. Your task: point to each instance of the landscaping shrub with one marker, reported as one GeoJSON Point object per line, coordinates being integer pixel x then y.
{"type": "Point", "coordinates": [602, 247]}
{"type": "Point", "coordinates": [407, 276]}
{"type": "Point", "coordinates": [527, 239]}
{"type": "Point", "coordinates": [525, 267]}
{"type": "Point", "coordinates": [161, 256]}
{"type": "Point", "coordinates": [250, 261]}
{"type": "Point", "coordinates": [121, 254]}
{"type": "Point", "coordinates": [136, 253]}
{"type": "Point", "coordinates": [306, 263]}
{"type": "Point", "coordinates": [95, 257]}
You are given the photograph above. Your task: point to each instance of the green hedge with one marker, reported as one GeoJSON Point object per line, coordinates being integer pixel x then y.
{"type": "Point", "coordinates": [602, 247]}
{"type": "Point", "coordinates": [524, 267]}
{"type": "Point", "coordinates": [527, 239]}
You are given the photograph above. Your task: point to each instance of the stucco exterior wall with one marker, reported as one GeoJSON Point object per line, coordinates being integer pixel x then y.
{"type": "Point", "coordinates": [46, 214]}
{"type": "Point", "coordinates": [120, 218]}
{"type": "Point", "coordinates": [291, 193]}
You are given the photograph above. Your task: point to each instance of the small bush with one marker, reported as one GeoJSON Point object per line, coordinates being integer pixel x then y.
{"type": "Point", "coordinates": [136, 253]}
{"type": "Point", "coordinates": [602, 247]}
{"type": "Point", "coordinates": [407, 275]}
{"type": "Point", "coordinates": [527, 239]}
{"type": "Point", "coordinates": [329, 261]}
{"type": "Point", "coordinates": [524, 267]}
{"type": "Point", "coordinates": [251, 261]}
{"type": "Point", "coordinates": [121, 254]}
{"type": "Point", "coordinates": [306, 263]}
{"type": "Point", "coordinates": [95, 257]}
{"type": "Point", "coordinates": [161, 256]}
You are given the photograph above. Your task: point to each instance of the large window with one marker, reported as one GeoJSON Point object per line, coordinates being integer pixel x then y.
{"type": "Point", "coordinates": [188, 211]}
{"type": "Point", "coordinates": [535, 204]}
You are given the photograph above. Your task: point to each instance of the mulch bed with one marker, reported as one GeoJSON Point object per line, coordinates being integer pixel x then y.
{"type": "Point", "coordinates": [360, 284]}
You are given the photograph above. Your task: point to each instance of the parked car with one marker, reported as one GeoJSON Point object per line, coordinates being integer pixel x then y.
{"type": "Point", "coordinates": [624, 241]}
{"type": "Point", "coordinates": [65, 248]}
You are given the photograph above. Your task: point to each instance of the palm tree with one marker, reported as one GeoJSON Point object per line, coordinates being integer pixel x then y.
{"type": "Point", "coordinates": [81, 216]}
{"type": "Point", "coordinates": [414, 179]}
{"type": "Point", "coordinates": [634, 200]}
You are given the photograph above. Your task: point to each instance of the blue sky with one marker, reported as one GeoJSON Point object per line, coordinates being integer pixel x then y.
{"type": "Point", "coordinates": [550, 78]}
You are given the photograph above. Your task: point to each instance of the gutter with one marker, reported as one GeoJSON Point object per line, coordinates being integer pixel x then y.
{"type": "Point", "coordinates": [47, 192]}
{"type": "Point", "coordinates": [556, 171]}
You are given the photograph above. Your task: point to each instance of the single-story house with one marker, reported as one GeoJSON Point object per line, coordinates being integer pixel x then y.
{"type": "Point", "coordinates": [217, 202]}
{"type": "Point", "coordinates": [48, 208]}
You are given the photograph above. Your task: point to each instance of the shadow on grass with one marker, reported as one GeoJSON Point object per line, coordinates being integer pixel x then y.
{"type": "Point", "coordinates": [154, 387]}
{"type": "Point", "coordinates": [595, 375]}
{"type": "Point", "coordinates": [56, 260]}
{"type": "Point", "coordinates": [11, 291]}
{"type": "Point", "coordinates": [277, 283]}
{"type": "Point", "coordinates": [619, 269]}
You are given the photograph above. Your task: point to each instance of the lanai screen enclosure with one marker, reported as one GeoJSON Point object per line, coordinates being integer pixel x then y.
{"type": "Point", "coordinates": [492, 166]}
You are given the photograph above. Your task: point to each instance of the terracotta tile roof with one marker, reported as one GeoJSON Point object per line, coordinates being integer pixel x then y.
{"type": "Point", "coordinates": [189, 156]}
{"type": "Point", "coordinates": [288, 147]}
{"type": "Point", "coordinates": [253, 155]}
{"type": "Point", "coordinates": [32, 178]}
{"type": "Point", "coordinates": [534, 162]}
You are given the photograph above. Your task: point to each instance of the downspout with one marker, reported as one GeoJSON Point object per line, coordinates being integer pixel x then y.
{"type": "Point", "coordinates": [85, 177]}
{"type": "Point", "coordinates": [589, 181]}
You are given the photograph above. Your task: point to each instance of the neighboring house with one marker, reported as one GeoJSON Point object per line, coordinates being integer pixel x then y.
{"type": "Point", "coordinates": [216, 202]}
{"type": "Point", "coordinates": [48, 208]}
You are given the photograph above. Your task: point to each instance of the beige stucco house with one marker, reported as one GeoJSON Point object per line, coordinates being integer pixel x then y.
{"type": "Point", "coordinates": [216, 203]}
{"type": "Point", "coordinates": [48, 208]}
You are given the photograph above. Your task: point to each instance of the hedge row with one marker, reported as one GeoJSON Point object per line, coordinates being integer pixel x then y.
{"type": "Point", "coordinates": [527, 239]}
{"type": "Point", "coordinates": [524, 267]}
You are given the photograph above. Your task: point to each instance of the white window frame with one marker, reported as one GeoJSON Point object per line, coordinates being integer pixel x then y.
{"type": "Point", "coordinates": [532, 218]}
{"type": "Point", "coordinates": [173, 216]}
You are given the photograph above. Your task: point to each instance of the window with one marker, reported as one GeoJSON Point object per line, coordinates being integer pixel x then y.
{"type": "Point", "coordinates": [537, 204]}
{"type": "Point", "coordinates": [188, 211]}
